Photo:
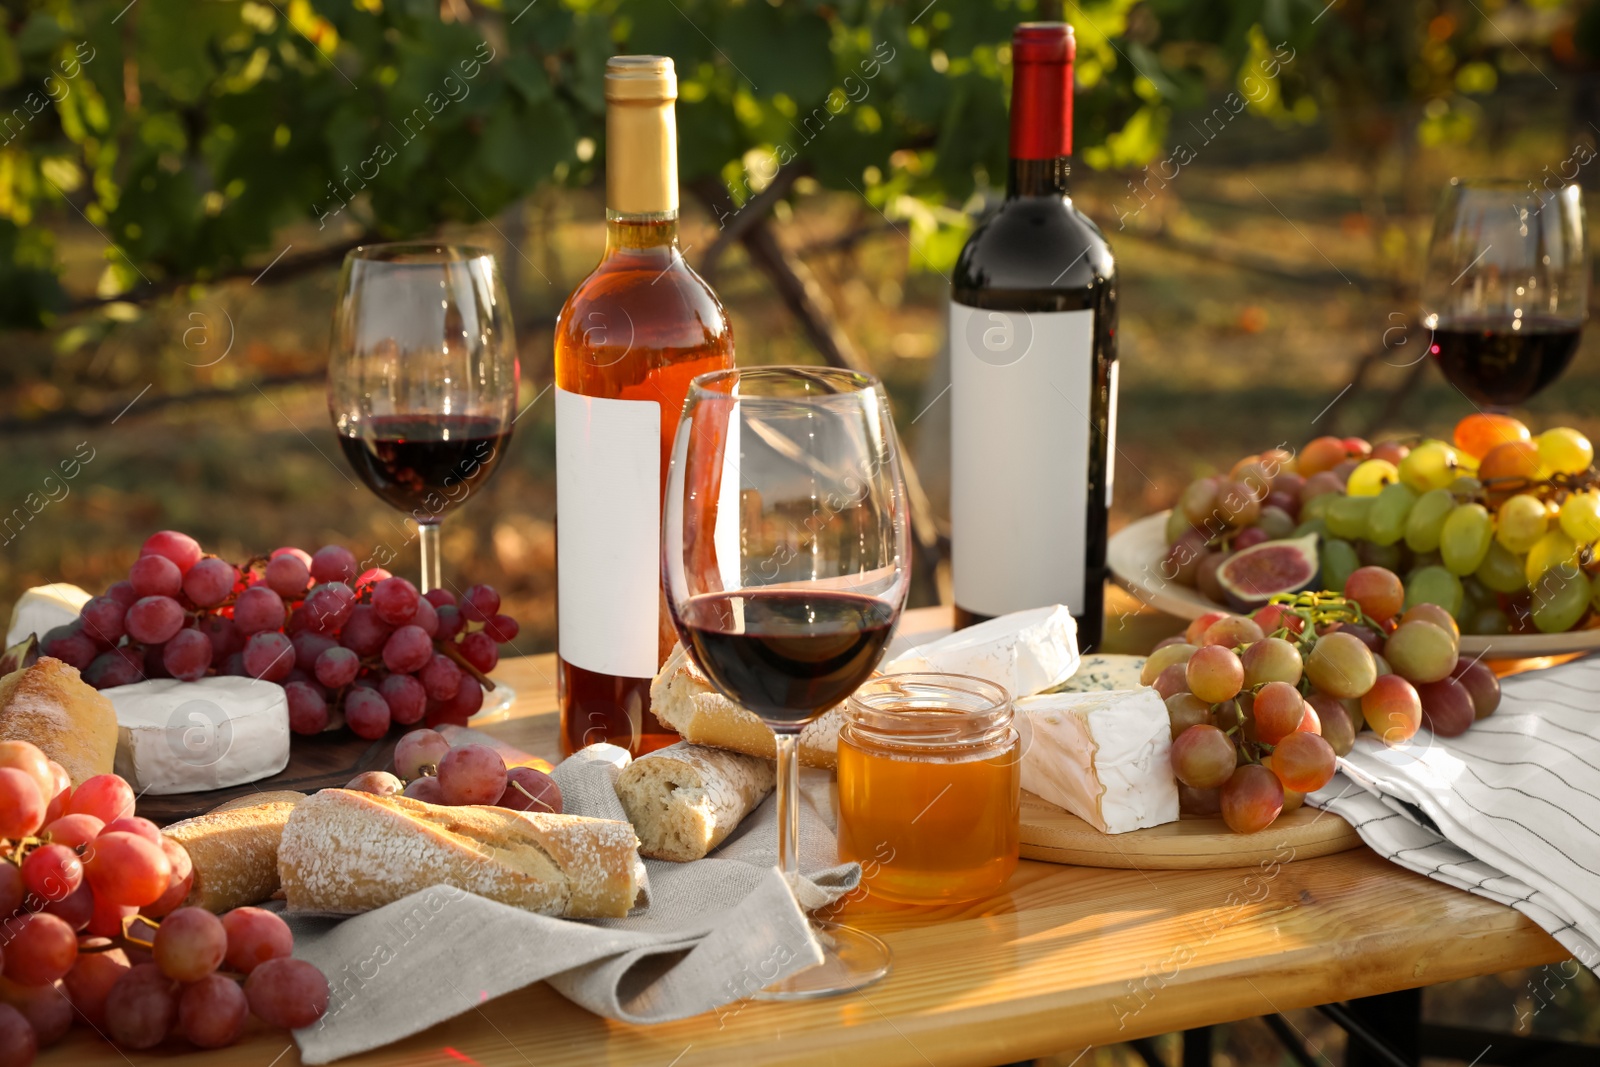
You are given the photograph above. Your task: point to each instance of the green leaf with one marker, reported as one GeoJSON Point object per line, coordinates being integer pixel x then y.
{"type": "Point", "coordinates": [527, 77]}
{"type": "Point", "coordinates": [40, 34]}
{"type": "Point", "coordinates": [522, 147]}
{"type": "Point", "coordinates": [10, 65]}
{"type": "Point", "coordinates": [778, 52]}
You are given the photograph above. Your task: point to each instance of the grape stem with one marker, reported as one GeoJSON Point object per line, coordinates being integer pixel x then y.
{"type": "Point", "coordinates": [1319, 609]}
{"type": "Point", "coordinates": [449, 649]}
{"type": "Point", "coordinates": [129, 936]}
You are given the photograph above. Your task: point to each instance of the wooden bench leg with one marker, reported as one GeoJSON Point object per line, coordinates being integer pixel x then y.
{"type": "Point", "coordinates": [1197, 1047]}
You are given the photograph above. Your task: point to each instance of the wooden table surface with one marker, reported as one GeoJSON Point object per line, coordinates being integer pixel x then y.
{"type": "Point", "coordinates": [1065, 958]}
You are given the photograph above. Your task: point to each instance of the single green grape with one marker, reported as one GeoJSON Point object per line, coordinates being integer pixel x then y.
{"type": "Point", "coordinates": [1520, 522]}
{"type": "Point", "coordinates": [1554, 548]}
{"type": "Point", "coordinates": [1487, 621]}
{"type": "Point", "coordinates": [1434, 585]}
{"type": "Point", "coordinates": [1466, 486]}
{"type": "Point", "coordinates": [1431, 465]}
{"type": "Point", "coordinates": [1389, 557]}
{"type": "Point", "coordinates": [1370, 476]}
{"type": "Point", "coordinates": [1564, 450]}
{"type": "Point", "coordinates": [1580, 517]}
{"type": "Point", "coordinates": [1339, 562]}
{"type": "Point", "coordinates": [1275, 523]}
{"type": "Point", "coordinates": [1347, 516]}
{"type": "Point", "coordinates": [1427, 520]}
{"type": "Point", "coordinates": [1560, 598]}
{"type": "Point", "coordinates": [1501, 570]}
{"type": "Point", "coordinates": [1177, 525]}
{"type": "Point", "coordinates": [1465, 538]}
{"type": "Point", "coordinates": [1386, 521]}
{"type": "Point", "coordinates": [1317, 506]}
{"type": "Point", "coordinates": [1475, 595]}
{"type": "Point", "coordinates": [1312, 526]}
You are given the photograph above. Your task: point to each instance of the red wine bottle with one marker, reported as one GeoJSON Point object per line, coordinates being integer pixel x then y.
{"type": "Point", "coordinates": [1033, 326]}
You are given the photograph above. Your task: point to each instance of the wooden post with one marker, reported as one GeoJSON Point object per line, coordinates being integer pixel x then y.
{"type": "Point", "coordinates": [809, 302]}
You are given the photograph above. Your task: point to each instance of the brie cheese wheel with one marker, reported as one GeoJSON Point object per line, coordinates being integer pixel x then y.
{"type": "Point", "coordinates": [1103, 671]}
{"type": "Point", "coordinates": [186, 737]}
{"type": "Point", "coordinates": [43, 608]}
{"type": "Point", "coordinates": [1025, 652]}
{"type": "Point", "coordinates": [1106, 757]}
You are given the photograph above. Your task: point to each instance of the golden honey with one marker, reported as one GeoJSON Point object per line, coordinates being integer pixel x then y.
{"type": "Point", "coordinates": [930, 782]}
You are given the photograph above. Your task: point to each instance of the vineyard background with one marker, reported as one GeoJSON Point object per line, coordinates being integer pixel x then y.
{"type": "Point", "coordinates": [176, 192]}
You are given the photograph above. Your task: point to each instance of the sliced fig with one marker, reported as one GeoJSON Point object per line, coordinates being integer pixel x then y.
{"type": "Point", "coordinates": [24, 653]}
{"type": "Point", "coordinates": [1253, 576]}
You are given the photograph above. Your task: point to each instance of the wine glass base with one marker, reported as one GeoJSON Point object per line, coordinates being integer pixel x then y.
{"type": "Point", "coordinates": [497, 704]}
{"type": "Point", "coordinates": [852, 960]}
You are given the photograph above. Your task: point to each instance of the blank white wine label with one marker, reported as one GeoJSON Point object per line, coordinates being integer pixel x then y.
{"type": "Point", "coordinates": [1022, 386]}
{"type": "Point", "coordinates": [608, 533]}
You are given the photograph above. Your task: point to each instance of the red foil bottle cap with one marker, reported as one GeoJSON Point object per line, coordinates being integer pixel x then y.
{"type": "Point", "coordinates": [1041, 90]}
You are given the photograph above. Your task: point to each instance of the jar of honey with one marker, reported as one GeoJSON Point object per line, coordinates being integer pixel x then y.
{"type": "Point", "coordinates": [930, 780]}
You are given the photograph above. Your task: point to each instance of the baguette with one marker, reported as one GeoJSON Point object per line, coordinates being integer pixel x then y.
{"type": "Point", "coordinates": [250, 800]}
{"type": "Point", "coordinates": [345, 852]}
{"type": "Point", "coordinates": [71, 722]}
{"type": "Point", "coordinates": [684, 701]}
{"type": "Point", "coordinates": [684, 800]}
{"type": "Point", "coordinates": [235, 854]}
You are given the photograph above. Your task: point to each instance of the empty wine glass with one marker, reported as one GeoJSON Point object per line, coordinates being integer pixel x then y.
{"type": "Point", "coordinates": [1506, 291]}
{"type": "Point", "coordinates": [786, 564]}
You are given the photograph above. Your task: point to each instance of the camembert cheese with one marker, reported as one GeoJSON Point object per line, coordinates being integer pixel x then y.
{"type": "Point", "coordinates": [184, 737]}
{"type": "Point", "coordinates": [44, 607]}
{"type": "Point", "coordinates": [1104, 756]}
{"type": "Point", "coordinates": [1025, 652]}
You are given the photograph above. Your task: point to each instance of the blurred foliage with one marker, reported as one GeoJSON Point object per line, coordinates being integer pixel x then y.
{"type": "Point", "coordinates": [189, 133]}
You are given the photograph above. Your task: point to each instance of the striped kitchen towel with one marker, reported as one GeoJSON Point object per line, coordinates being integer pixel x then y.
{"type": "Point", "coordinates": [1510, 810]}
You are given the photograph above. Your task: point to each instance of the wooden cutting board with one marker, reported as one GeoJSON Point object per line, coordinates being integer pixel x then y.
{"type": "Point", "coordinates": [325, 761]}
{"type": "Point", "coordinates": [1193, 842]}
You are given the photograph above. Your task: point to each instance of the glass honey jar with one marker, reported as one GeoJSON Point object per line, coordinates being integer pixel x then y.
{"type": "Point", "coordinates": [930, 780]}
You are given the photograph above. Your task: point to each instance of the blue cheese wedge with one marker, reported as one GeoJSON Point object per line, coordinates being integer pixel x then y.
{"type": "Point", "coordinates": [1104, 756]}
{"type": "Point", "coordinates": [1025, 652]}
{"type": "Point", "coordinates": [1104, 671]}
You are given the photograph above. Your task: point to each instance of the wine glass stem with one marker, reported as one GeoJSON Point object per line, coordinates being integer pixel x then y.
{"type": "Point", "coordinates": [788, 808]}
{"type": "Point", "coordinates": [428, 538]}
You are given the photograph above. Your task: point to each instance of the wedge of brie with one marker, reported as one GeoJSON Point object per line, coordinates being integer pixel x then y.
{"type": "Point", "coordinates": [183, 737]}
{"type": "Point", "coordinates": [43, 608]}
{"type": "Point", "coordinates": [1025, 652]}
{"type": "Point", "coordinates": [1104, 756]}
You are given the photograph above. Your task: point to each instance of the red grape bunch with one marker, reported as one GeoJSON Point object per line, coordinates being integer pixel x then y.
{"type": "Point", "coordinates": [426, 768]}
{"type": "Point", "coordinates": [79, 873]}
{"type": "Point", "coordinates": [367, 645]}
{"type": "Point", "coordinates": [1261, 706]}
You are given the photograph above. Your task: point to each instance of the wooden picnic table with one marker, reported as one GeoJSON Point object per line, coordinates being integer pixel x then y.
{"type": "Point", "coordinates": [1064, 958]}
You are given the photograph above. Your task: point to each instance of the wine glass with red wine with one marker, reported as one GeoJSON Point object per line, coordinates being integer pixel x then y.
{"type": "Point", "coordinates": [785, 561]}
{"type": "Point", "coordinates": [1506, 291]}
{"type": "Point", "coordinates": [422, 378]}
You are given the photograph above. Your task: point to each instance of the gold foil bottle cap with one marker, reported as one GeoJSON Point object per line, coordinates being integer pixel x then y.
{"type": "Point", "coordinates": [643, 78]}
{"type": "Point", "coordinates": [641, 136]}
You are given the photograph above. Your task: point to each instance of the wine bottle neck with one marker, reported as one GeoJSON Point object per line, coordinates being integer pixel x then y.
{"type": "Point", "coordinates": [641, 138]}
{"type": "Point", "coordinates": [1038, 177]}
{"type": "Point", "coordinates": [1041, 109]}
{"type": "Point", "coordinates": [643, 232]}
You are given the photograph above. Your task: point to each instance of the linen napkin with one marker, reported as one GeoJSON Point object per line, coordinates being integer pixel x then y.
{"type": "Point", "coordinates": [1510, 810]}
{"type": "Point", "coordinates": [712, 932]}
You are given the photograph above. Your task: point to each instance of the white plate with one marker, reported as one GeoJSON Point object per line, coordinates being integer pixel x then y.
{"type": "Point", "coordinates": [1135, 552]}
